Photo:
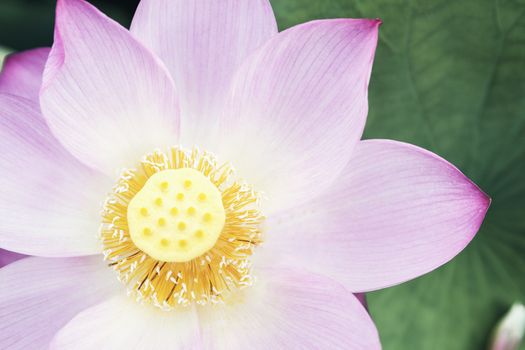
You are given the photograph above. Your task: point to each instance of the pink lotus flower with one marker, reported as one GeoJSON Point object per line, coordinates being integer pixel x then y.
{"type": "Point", "coordinates": [509, 332]}
{"type": "Point", "coordinates": [266, 256]}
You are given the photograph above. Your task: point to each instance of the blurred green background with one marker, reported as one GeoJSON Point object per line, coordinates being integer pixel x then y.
{"type": "Point", "coordinates": [448, 76]}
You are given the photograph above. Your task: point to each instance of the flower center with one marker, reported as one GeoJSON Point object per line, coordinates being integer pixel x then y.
{"type": "Point", "coordinates": [177, 215]}
{"type": "Point", "coordinates": [180, 229]}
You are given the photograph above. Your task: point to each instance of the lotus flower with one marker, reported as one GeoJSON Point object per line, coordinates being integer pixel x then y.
{"type": "Point", "coordinates": [509, 332]}
{"type": "Point", "coordinates": [215, 167]}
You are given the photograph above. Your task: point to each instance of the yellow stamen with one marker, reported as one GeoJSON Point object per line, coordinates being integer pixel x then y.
{"type": "Point", "coordinates": [192, 246]}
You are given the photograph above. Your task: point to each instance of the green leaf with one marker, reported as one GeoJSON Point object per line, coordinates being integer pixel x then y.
{"type": "Point", "coordinates": [450, 76]}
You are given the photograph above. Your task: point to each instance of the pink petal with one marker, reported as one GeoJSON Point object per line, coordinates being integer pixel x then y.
{"type": "Point", "coordinates": [362, 299]}
{"type": "Point", "coordinates": [40, 295]}
{"type": "Point", "coordinates": [290, 310]}
{"type": "Point", "coordinates": [108, 99]}
{"type": "Point", "coordinates": [298, 106]}
{"type": "Point", "coordinates": [22, 73]}
{"type": "Point", "coordinates": [202, 43]}
{"type": "Point", "coordinates": [397, 212]}
{"type": "Point", "coordinates": [122, 323]}
{"type": "Point", "coordinates": [7, 257]}
{"type": "Point", "coordinates": [50, 202]}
